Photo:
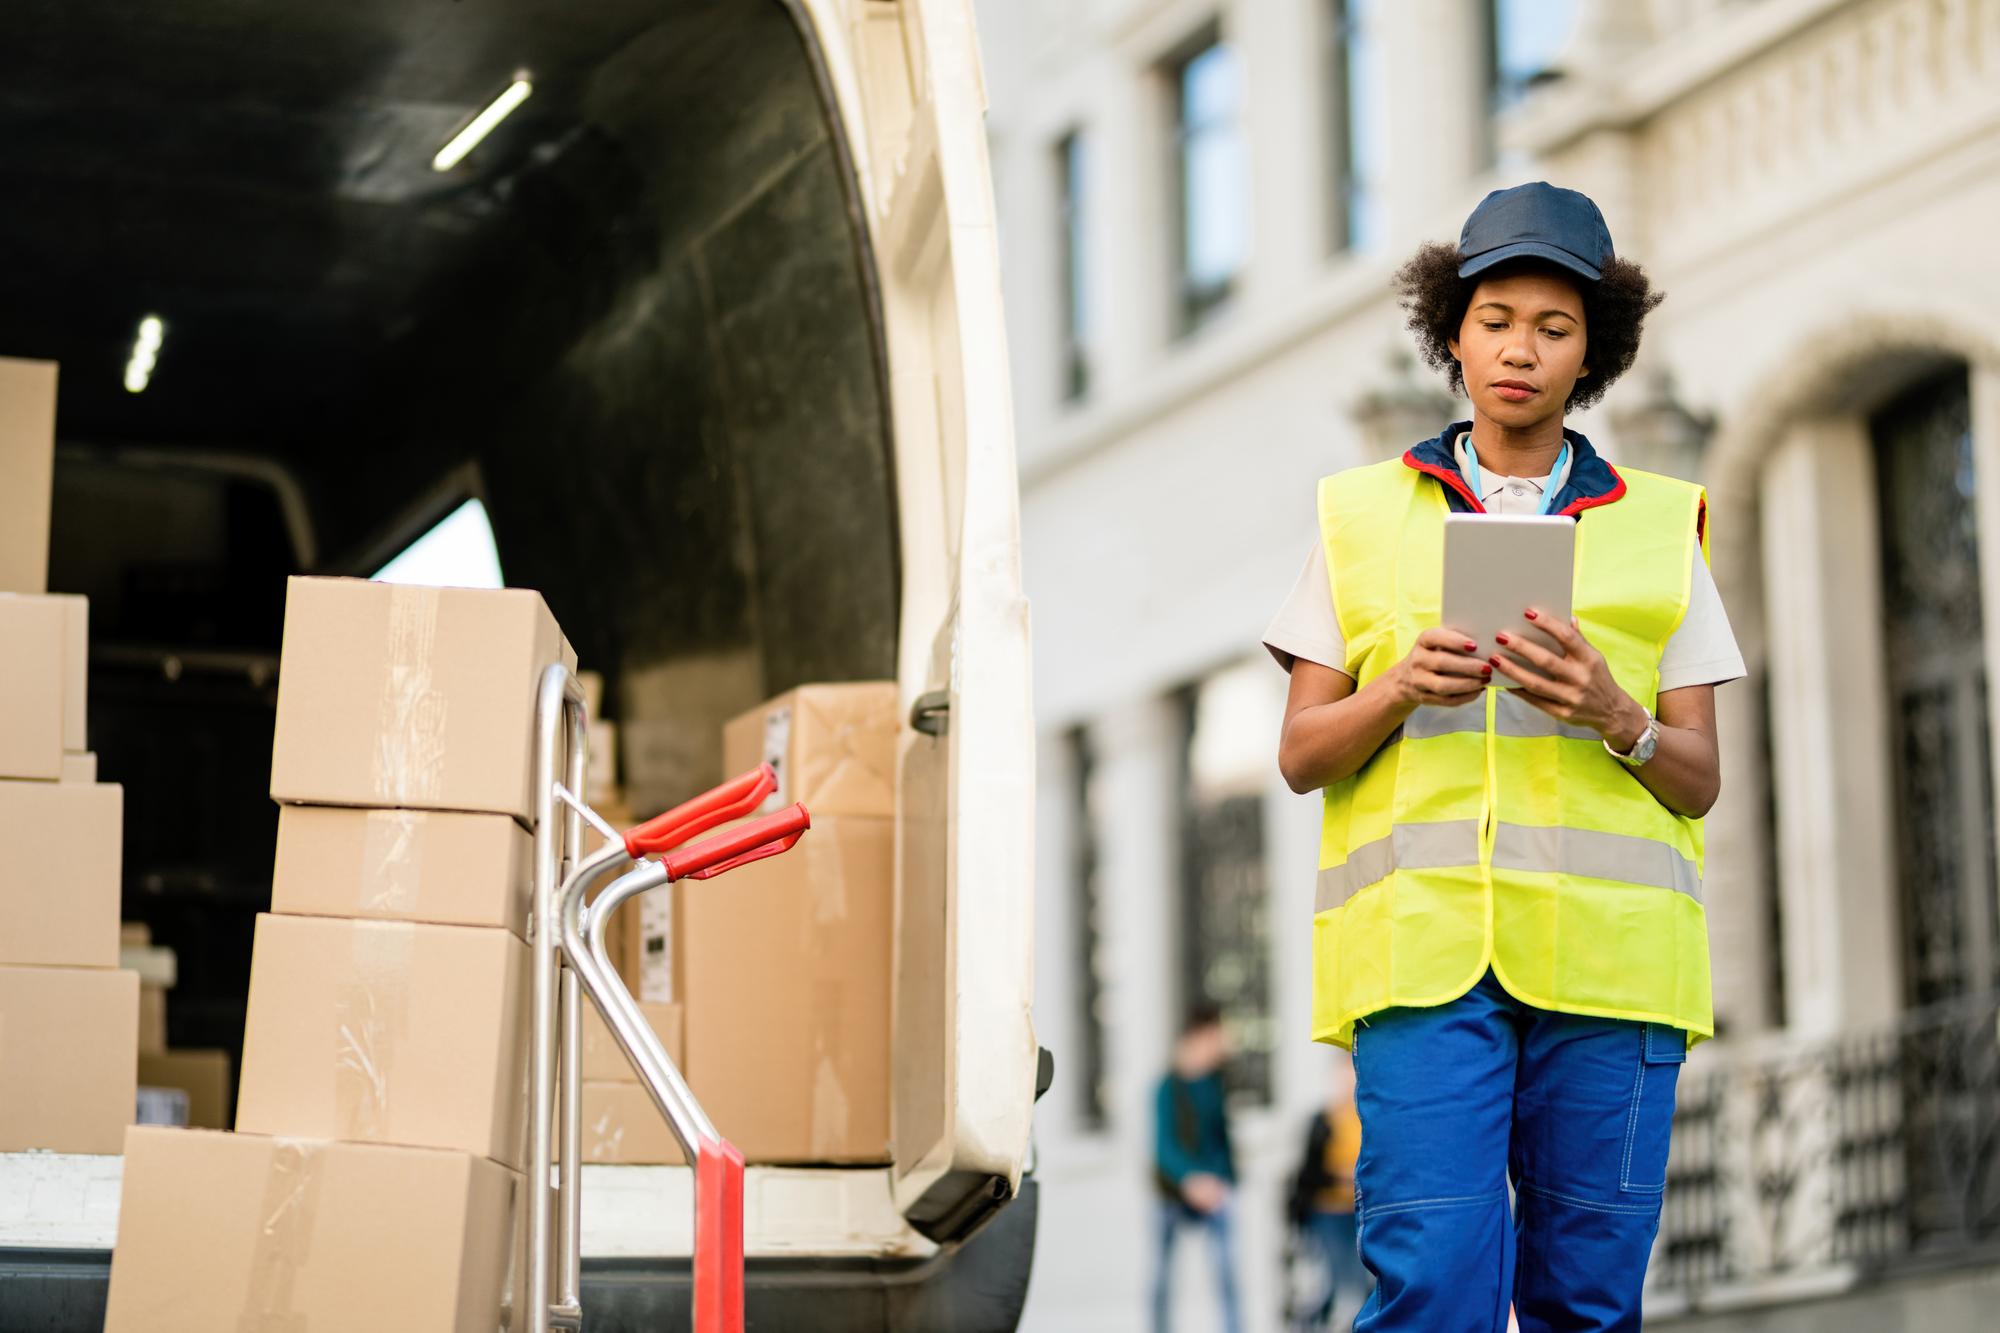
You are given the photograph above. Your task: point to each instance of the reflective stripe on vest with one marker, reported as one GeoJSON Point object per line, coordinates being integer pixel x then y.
{"type": "Point", "coordinates": [1491, 834]}
{"type": "Point", "coordinates": [1617, 857]}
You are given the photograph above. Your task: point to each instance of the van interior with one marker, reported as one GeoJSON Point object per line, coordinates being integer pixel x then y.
{"type": "Point", "coordinates": [636, 324]}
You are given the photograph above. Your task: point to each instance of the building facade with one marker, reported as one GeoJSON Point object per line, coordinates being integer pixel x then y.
{"type": "Point", "coordinates": [1202, 203]}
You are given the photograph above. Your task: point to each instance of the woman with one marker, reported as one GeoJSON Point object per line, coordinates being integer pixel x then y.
{"type": "Point", "coordinates": [1508, 932]}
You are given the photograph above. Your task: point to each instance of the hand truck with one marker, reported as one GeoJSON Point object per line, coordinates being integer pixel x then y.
{"type": "Point", "coordinates": [566, 943]}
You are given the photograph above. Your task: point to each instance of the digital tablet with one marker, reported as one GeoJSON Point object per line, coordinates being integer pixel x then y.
{"type": "Point", "coordinates": [1496, 566]}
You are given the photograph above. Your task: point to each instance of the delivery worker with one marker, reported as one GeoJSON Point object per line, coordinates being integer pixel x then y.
{"type": "Point", "coordinates": [1194, 1164]}
{"type": "Point", "coordinates": [1508, 930]}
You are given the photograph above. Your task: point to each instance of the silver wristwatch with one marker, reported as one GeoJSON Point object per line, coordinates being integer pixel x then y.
{"type": "Point", "coordinates": [1643, 748]}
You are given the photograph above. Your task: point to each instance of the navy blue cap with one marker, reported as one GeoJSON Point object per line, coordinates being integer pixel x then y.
{"type": "Point", "coordinates": [1539, 221]}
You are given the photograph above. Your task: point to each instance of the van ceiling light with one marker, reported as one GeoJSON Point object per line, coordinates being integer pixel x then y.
{"type": "Point", "coordinates": [482, 124]}
{"type": "Point", "coordinates": [145, 353]}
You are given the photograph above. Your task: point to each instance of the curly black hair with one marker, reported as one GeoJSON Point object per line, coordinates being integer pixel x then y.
{"type": "Point", "coordinates": [1614, 308]}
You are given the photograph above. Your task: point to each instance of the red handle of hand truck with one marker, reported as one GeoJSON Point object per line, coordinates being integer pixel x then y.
{"type": "Point", "coordinates": [739, 846]}
{"type": "Point", "coordinates": [732, 800]}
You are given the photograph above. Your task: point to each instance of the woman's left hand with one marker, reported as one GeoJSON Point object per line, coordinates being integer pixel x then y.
{"type": "Point", "coordinates": [1574, 685]}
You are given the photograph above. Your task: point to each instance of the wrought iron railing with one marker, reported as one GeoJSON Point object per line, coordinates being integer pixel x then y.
{"type": "Point", "coordinates": [1835, 1159]}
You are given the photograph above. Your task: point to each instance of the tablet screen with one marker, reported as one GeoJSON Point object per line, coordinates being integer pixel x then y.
{"type": "Point", "coordinates": [1496, 566]}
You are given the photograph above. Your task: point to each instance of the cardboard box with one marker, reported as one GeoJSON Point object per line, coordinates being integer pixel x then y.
{"type": "Point", "coordinates": [153, 1020]}
{"type": "Point", "coordinates": [76, 675]}
{"type": "Point", "coordinates": [79, 766]}
{"type": "Point", "coordinates": [69, 1040]}
{"type": "Point", "coordinates": [238, 1231]}
{"type": "Point", "coordinates": [621, 1125]}
{"type": "Point", "coordinates": [623, 939]}
{"type": "Point", "coordinates": [202, 1075]}
{"type": "Point", "coordinates": [834, 747]}
{"type": "Point", "coordinates": [60, 848]}
{"type": "Point", "coordinates": [403, 865]}
{"type": "Point", "coordinates": [27, 472]}
{"type": "Point", "coordinates": [787, 997]}
{"type": "Point", "coordinates": [603, 1062]}
{"type": "Point", "coordinates": [414, 697]}
{"type": "Point", "coordinates": [658, 945]}
{"type": "Point", "coordinates": [601, 782]}
{"type": "Point", "coordinates": [43, 663]}
{"type": "Point", "coordinates": [387, 1032]}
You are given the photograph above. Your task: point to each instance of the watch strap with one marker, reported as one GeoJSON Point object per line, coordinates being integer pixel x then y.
{"type": "Point", "coordinates": [1632, 758]}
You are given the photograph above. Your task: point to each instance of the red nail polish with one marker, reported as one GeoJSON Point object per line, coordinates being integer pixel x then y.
{"type": "Point", "coordinates": [1500, 638]}
{"type": "Point", "coordinates": [1486, 671]}
{"type": "Point", "coordinates": [1471, 647]}
{"type": "Point", "coordinates": [1492, 662]}
{"type": "Point", "coordinates": [1532, 616]}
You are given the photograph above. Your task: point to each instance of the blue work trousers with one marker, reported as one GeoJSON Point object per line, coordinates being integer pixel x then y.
{"type": "Point", "coordinates": [1458, 1100]}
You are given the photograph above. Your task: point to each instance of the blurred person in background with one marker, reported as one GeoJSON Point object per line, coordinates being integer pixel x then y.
{"type": "Point", "coordinates": [1508, 930]}
{"type": "Point", "coordinates": [1193, 1164]}
{"type": "Point", "coordinates": [1321, 1204]}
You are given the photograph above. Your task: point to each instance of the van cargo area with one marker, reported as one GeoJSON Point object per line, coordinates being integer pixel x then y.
{"type": "Point", "coordinates": [709, 330]}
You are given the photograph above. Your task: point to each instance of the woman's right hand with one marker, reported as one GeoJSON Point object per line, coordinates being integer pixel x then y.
{"type": "Point", "coordinates": [1441, 670]}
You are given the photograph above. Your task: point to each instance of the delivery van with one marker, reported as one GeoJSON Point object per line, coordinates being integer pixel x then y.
{"type": "Point", "coordinates": [708, 329]}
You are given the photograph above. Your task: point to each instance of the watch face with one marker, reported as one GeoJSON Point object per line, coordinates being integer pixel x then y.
{"type": "Point", "coordinates": [1648, 742]}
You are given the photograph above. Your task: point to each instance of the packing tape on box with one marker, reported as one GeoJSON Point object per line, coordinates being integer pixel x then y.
{"type": "Point", "coordinates": [604, 1138]}
{"type": "Point", "coordinates": [284, 1239]}
{"type": "Point", "coordinates": [409, 739]}
{"type": "Point", "coordinates": [830, 1107]}
{"type": "Point", "coordinates": [391, 862]}
{"type": "Point", "coordinates": [372, 1019]}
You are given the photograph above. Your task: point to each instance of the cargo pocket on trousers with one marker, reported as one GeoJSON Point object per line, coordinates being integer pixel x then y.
{"type": "Point", "coordinates": [1649, 1127]}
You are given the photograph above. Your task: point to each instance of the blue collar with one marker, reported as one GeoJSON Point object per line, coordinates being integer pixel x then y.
{"type": "Point", "coordinates": [1591, 481]}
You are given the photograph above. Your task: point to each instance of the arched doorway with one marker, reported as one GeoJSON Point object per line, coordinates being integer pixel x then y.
{"type": "Point", "coordinates": [1927, 481]}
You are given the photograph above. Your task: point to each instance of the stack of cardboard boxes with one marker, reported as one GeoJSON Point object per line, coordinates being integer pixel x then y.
{"type": "Point", "coordinates": [787, 962]}
{"type": "Point", "coordinates": [387, 1033]}
{"type": "Point", "coordinates": [69, 1017]}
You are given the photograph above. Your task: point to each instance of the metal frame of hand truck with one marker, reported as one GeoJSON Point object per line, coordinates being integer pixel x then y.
{"type": "Point", "coordinates": [567, 948]}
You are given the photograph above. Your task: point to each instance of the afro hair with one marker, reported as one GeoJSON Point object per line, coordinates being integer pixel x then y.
{"type": "Point", "coordinates": [1614, 308]}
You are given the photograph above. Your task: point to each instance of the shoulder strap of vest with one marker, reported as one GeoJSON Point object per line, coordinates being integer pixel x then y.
{"type": "Point", "coordinates": [1667, 496]}
{"type": "Point", "coordinates": [1358, 489]}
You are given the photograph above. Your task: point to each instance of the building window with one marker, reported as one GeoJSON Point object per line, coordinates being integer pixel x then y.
{"type": "Point", "coordinates": [1932, 626]}
{"type": "Point", "coordinates": [1354, 123]}
{"type": "Point", "coordinates": [1072, 180]}
{"type": "Point", "coordinates": [1211, 159]}
{"type": "Point", "coordinates": [1526, 39]}
{"type": "Point", "coordinates": [1087, 936]}
{"type": "Point", "coordinates": [1225, 936]}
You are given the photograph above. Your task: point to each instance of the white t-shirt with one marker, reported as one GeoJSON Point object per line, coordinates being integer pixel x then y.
{"type": "Point", "coordinates": [1702, 651]}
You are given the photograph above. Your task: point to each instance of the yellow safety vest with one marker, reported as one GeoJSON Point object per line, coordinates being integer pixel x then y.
{"type": "Point", "coordinates": [1490, 835]}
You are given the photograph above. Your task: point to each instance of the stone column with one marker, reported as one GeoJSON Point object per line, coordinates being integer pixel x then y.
{"type": "Point", "coordinates": [1059, 1020]}
{"type": "Point", "coordinates": [1830, 752]}
{"type": "Point", "coordinates": [1137, 754]}
{"type": "Point", "coordinates": [1435, 81]}
{"type": "Point", "coordinates": [1282, 49]}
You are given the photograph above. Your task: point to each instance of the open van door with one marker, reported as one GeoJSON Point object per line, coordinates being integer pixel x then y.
{"type": "Point", "coordinates": [906, 79]}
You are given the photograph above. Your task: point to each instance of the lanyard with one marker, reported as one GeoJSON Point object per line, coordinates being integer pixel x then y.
{"type": "Point", "coordinates": [1548, 491]}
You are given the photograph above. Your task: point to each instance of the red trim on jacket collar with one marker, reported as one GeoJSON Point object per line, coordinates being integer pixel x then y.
{"type": "Point", "coordinates": [1451, 478]}
{"type": "Point", "coordinates": [1593, 501]}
